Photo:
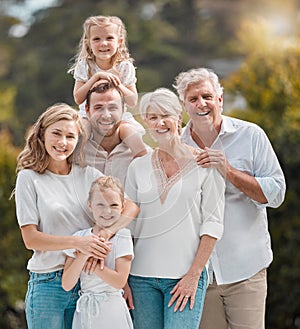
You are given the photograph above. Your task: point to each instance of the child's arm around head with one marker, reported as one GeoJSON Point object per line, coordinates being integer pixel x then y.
{"type": "Point", "coordinates": [81, 88]}
{"type": "Point", "coordinates": [132, 139]}
{"type": "Point", "coordinates": [129, 93]}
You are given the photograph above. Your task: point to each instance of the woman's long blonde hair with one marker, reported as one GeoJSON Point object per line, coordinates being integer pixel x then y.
{"type": "Point", "coordinates": [34, 155]}
{"type": "Point", "coordinates": [85, 51]}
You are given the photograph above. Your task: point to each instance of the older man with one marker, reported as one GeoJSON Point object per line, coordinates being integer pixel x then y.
{"type": "Point", "coordinates": [254, 181]}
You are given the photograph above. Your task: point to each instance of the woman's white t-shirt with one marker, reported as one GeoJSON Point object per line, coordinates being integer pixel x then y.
{"type": "Point", "coordinates": [57, 204]}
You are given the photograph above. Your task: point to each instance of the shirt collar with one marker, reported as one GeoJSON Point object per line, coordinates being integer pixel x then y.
{"type": "Point", "coordinates": [121, 147]}
{"type": "Point", "coordinates": [227, 127]}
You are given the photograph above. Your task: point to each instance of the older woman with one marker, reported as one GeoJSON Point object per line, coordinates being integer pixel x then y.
{"type": "Point", "coordinates": [180, 219]}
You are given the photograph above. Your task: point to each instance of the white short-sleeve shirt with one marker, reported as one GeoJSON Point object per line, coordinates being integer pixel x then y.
{"type": "Point", "coordinates": [121, 246]}
{"type": "Point", "coordinates": [57, 204]}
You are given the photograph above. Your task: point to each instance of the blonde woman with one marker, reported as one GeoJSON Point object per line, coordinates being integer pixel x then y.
{"type": "Point", "coordinates": [51, 192]}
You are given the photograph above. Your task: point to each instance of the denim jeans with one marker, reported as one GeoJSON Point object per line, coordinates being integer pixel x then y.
{"type": "Point", "coordinates": [48, 305]}
{"type": "Point", "coordinates": [151, 297]}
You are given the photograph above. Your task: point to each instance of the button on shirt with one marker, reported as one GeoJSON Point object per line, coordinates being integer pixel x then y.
{"type": "Point", "coordinates": [245, 247]}
{"type": "Point", "coordinates": [114, 163]}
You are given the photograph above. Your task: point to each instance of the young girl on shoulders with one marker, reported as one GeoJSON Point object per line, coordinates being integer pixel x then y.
{"type": "Point", "coordinates": [101, 303]}
{"type": "Point", "coordinates": [103, 54]}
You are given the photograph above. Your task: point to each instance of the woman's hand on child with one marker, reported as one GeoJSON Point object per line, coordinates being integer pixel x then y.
{"type": "Point", "coordinates": [90, 265]}
{"type": "Point", "coordinates": [93, 246]}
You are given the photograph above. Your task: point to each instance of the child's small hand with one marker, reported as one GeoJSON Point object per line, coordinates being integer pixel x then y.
{"type": "Point", "coordinates": [110, 77]}
{"type": "Point", "coordinates": [90, 265]}
{"type": "Point", "coordinates": [104, 239]}
{"type": "Point", "coordinates": [127, 295]}
{"type": "Point", "coordinates": [115, 80]}
{"type": "Point", "coordinates": [101, 76]}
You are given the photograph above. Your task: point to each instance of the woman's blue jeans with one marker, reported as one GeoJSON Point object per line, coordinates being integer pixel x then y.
{"type": "Point", "coordinates": [48, 305]}
{"type": "Point", "coordinates": [151, 297]}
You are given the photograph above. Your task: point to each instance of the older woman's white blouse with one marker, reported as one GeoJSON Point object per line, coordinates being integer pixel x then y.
{"type": "Point", "coordinates": [174, 213]}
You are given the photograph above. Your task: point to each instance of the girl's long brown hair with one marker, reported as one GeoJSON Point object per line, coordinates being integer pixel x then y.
{"type": "Point", "coordinates": [34, 155]}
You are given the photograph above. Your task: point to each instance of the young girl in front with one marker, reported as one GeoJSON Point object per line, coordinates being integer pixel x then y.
{"type": "Point", "coordinates": [101, 304]}
{"type": "Point", "coordinates": [103, 54]}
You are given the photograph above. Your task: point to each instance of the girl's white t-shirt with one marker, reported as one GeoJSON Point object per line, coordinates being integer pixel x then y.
{"type": "Point", "coordinates": [121, 246]}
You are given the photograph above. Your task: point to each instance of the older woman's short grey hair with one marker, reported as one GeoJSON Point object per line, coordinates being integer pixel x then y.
{"type": "Point", "coordinates": [193, 76]}
{"type": "Point", "coordinates": [158, 101]}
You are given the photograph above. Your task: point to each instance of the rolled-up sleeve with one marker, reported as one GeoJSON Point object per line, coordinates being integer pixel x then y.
{"type": "Point", "coordinates": [274, 190]}
{"type": "Point", "coordinates": [268, 172]}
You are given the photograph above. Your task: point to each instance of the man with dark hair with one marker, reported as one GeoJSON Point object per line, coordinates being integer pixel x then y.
{"type": "Point", "coordinates": [112, 143]}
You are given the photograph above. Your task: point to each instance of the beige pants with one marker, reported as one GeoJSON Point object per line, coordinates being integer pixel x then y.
{"type": "Point", "coordinates": [239, 305]}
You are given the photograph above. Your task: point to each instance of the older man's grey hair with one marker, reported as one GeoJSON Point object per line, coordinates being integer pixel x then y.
{"type": "Point", "coordinates": [194, 76]}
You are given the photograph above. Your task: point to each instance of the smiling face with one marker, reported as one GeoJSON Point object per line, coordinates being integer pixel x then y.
{"type": "Point", "coordinates": [162, 125]}
{"type": "Point", "coordinates": [203, 105]}
{"type": "Point", "coordinates": [105, 111]}
{"type": "Point", "coordinates": [60, 140]}
{"type": "Point", "coordinates": [106, 206]}
{"type": "Point", "coordinates": [104, 42]}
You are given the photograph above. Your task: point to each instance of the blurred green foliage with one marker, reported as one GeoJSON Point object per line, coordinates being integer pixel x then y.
{"type": "Point", "coordinates": [165, 37]}
{"type": "Point", "coordinates": [13, 273]}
